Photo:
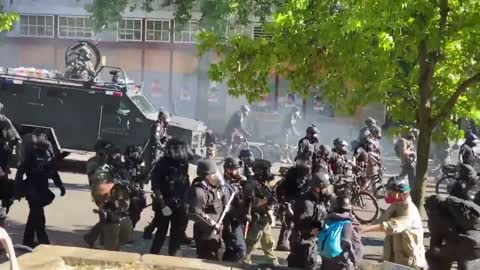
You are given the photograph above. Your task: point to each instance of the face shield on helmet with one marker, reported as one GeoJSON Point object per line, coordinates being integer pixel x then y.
{"type": "Point", "coordinates": [215, 179]}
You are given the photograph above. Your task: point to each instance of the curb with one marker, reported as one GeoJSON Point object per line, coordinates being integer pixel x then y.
{"type": "Point", "coordinates": [48, 257]}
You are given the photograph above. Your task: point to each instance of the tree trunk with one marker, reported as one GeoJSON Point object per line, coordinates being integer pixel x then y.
{"type": "Point", "coordinates": [423, 150]}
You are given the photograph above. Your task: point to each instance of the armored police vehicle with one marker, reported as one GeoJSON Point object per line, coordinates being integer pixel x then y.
{"type": "Point", "coordinates": [86, 103]}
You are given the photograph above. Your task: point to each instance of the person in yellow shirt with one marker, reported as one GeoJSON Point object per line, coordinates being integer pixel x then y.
{"type": "Point", "coordinates": [402, 225]}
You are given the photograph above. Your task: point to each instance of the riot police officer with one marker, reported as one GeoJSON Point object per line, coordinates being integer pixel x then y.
{"type": "Point", "coordinates": [291, 189]}
{"type": "Point", "coordinates": [7, 126]}
{"type": "Point", "coordinates": [289, 129]}
{"type": "Point", "coordinates": [306, 146]}
{"type": "Point", "coordinates": [321, 159]}
{"type": "Point", "coordinates": [133, 164]}
{"type": "Point", "coordinates": [170, 185]}
{"type": "Point", "coordinates": [236, 126]}
{"type": "Point", "coordinates": [247, 158]}
{"type": "Point", "coordinates": [309, 216]}
{"type": "Point", "coordinates": [405, 150]}
{"type": "Point", "coordinates": [260, 198]}
{"type": "Point", "coordinates": [235, 247]}
{"type": "Point", "coordinates": [158, 137]}
{"type": "Point", "coordinates": [207, 201]}
{"type": "Point", "coordinates": [338, 159]}
{"type": "Point", "coordinates": [466, 154]}
{"type": "Point", "coordinates": [113, 216]}
{"type": "Point", "coordinates": [93, 164]}
{"type": "Point", "coordinates": [372, 127]}
{"type": "Point", "coordinates": [39, 166]}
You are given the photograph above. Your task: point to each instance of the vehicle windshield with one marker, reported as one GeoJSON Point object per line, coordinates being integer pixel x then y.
{"type": "Point", "coordinates": [142, 103]}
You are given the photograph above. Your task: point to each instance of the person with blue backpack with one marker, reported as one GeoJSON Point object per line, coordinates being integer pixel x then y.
{"type": "Point", "coordinates": [309, 216]}
{"type": "Point", "coordinates": [339, 243]}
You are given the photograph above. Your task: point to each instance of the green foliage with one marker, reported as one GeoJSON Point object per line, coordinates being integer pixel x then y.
{"type": "Point", "coordinates": [412, 55]}
{"type": "Point", "coordinates": [215, 14]}
{"type": "Point", "coordinates": [7, 19]}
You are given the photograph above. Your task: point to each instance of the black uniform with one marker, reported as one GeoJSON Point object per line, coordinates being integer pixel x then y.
{"type": "Point", "coordinates": [158, 139]}
{"type": "Point", "coordinates": [309, 213]}
{"type": "Point", "coordinates": [454, 233]}
{"type": "Point", "coordinates": [206, 205]}
{"type": "Point", "coordinates": [170, 184]}
{"type": "Point", "coordinates": [306, 147]}
{"type": "Point", "coordinates": [136, 176]}
{"type": "Point", "coordinates": [466, 154]}
{"type": "Point", "coordinates": [338, 163]}
{"type": "Point", "coordinates": [232, 234]}
{"type": "Point", "coordinates": [289, 191]}
{"type": "Point", "coordinates": [39, 167]}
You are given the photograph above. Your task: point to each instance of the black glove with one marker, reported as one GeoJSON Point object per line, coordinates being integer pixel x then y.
{"type": "Point", "coordinates": [62, 191]}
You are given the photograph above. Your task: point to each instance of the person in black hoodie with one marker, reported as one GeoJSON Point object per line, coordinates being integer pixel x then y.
{"type": "Point", "coordinates": [288, 191]}
{"type": "Point", "coordinates": [309, 217]}
{"type": "Point", "coordinates": [350, 239]}
{"type": "Point", "coordinates": [170, 185]}
{"type": "Point", "coordinates": [39, 167]}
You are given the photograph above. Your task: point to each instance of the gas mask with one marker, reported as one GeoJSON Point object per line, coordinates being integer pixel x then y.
{"type": "Point", "coordinates": [215, 179]}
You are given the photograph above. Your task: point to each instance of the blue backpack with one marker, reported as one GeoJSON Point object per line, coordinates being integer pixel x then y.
{"type": "Point", "coordinates": [329, 239]}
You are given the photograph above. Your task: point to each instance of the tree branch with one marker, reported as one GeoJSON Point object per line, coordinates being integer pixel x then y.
{"type": "Point", "coordinates": [461, 89]}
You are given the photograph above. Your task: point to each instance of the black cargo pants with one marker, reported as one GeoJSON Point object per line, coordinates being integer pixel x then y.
{"type": "Point", "coordinates": [235, 247]}
{"type": "Point", "coordinates": [178, 222]}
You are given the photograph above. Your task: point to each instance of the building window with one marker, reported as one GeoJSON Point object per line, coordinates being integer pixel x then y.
{"type": "Point", "coordinates": [130, 30]}
{"type": "Point", "coordinates": [242, 30]}
{"type": "Point", "coordinates": [36, 25]}
{"type": "Point", "coordinates": [157, 30]}
{"type": "Point", "coordinates": [259, 32]}
{"type": "Point", "coordinates": [186, 32]}
{"type": "Point", "coordinates": [74, 27]}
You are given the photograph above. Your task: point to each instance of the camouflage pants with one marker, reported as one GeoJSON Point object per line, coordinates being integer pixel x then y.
{"type": "Point", "coordinates": [117, 234]}
{"type": "Point", "coordinates": [260, 232]}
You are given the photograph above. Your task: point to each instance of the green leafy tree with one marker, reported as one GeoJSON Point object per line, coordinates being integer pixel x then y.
{"type": "Point", "coordinates": [7, 19]}
{"type": "Point", "coordinates": [419, 57]}
{"type": "Point", "coordinates": [216, 14]}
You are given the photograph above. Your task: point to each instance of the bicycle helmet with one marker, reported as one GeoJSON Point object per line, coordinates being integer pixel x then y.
{"type": "Point", "coordinates": [370, 121]}
{"type": "Point", "coordinates": [164, 116]}
{"type": "Point", "coordinates": [312, 130]}
{"type": "Point", "coordinates": [339, 143]}
{"type": "Point", "coordinates": [397, 184]}
{"type": "Point", "coordinates": [246, 156]}
{"type": "Point", "coordinates": [245, 108]}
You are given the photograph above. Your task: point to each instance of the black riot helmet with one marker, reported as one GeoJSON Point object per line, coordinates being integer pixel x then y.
{"type": "Point", "coordinates": [471, 139]}
{"type": "Point", "coordinates": [177, 149]}
{"type": "Point", "coordinates": [164, 117]}
{"type": "Point", "coordinates": [100, 147]}
{"type": "Point", "coordinates": [261, 169]}
{"type": "Point", "coordinates": [247, 157]}
{"type": "Point", "coordinates": [114, 155]}
{"type": "Point", "coordinates": [342, 205]}
{"type": "Point", "coordinates": [312, 131]}
{"type": "Point", "coordinates": [323, 150]}
{"type": "Point", "coordinates": [232, 163]}
{"type": "Point", "coordinates": [370, 122]}
{"type": "Point", "coordinates": [245, 109]}
{"type": "Point", "coordinates": [341, 145]}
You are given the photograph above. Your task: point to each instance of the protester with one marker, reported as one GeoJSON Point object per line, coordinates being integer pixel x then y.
{"type": "Point", "coordinates": [340, 242]}
{"type": "Point", "coordinates": [402, 225]}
